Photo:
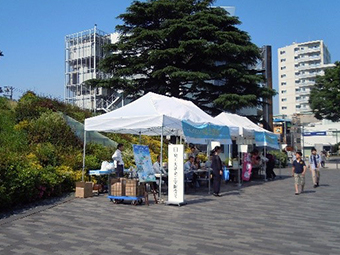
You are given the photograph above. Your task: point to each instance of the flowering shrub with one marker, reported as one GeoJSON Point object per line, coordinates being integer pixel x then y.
{"type": "Point", "coordinates": [40, 156]}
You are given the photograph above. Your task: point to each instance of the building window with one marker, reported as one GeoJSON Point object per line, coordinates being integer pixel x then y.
{"type": "Point", "coordinates": [283, 67]}
{"type": "Point", "coordinates": [283, 60]}
{"type": "Point", "coordinates": [283, 75]}
{"type": "Point", "coordinates": [296, 49]}
{"type": "Point", "coordinates": [283, 99]}
{"type": "Point", "coordinates": [283, 83]}
{"type": "Point", "coordinates": [282, 52]}
{"type": "Point", "coordinates": [298, 106]}
{"type": "Point", "coordinates": [283, 91]}
{"type": "Point", "coordinates": [284, 107]}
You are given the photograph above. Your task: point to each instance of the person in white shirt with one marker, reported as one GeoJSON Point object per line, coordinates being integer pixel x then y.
{"type": "Point", "coordinates": [314, 166]}
{"type": "Point", "coordinates": [156, 166]}
{"type": "Point", "coordinates": [118, 160]}
{"type": "Point", "coordinates": [158, 170]}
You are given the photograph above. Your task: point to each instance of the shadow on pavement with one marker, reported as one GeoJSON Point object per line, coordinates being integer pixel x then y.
{"type": "Point", "coordinates": [309, 191]}
{"type": "Point", "coordinates": [198, 201]}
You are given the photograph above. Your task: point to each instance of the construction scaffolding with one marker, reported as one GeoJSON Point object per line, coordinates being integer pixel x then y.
{"type": "Point", "coordinates": [83, 51]}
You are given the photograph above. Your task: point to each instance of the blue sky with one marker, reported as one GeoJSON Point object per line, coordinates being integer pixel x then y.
{"type": "Point", "coordinates": [32, 33]}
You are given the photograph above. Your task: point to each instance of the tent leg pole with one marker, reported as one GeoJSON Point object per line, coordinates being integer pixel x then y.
{"type": "Point", "coordinates": [209, 174]}
{"type": "Point", "coordinates": [239, 170]}
{"type": "Point", "coordinates": [265, 164]}
{"type": "Point", "coordinates": [161, 167]}
{"type": "Point", "coordinates": [84, 152]}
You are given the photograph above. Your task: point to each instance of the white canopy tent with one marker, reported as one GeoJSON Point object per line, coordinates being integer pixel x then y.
{"type": "Point", "coordinates": [249, 130]}
{"type": "Point", "coordinates": [246, 126]}
{"type": "Point", "coordinates": [151, 114]}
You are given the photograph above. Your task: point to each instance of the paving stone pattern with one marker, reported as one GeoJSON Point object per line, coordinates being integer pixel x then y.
{"type": "Point", "coordinates": [257, 218]}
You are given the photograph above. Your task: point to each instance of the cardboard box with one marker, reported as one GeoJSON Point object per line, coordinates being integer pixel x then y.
{"type": "Point", "coordinates": [118, 189]}
{"type": "Point", "coordinates": [84, 189]}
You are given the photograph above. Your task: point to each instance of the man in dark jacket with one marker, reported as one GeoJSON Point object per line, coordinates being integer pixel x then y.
{"type": "Point", "coordinates": [216, 165]}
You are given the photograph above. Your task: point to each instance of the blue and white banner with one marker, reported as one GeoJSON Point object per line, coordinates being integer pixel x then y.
{"type": "Point", "coordinates": [143, 162]}
{"type": "Point", "coordinates": [267, 139]}
{"type": "Point", "coordinates": [204, 133]}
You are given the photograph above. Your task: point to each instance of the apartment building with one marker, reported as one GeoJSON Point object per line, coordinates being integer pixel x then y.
{"type": "Point", "coordinates": [298, 65]}
{"type": "Point", "coordinates": [83, 51]}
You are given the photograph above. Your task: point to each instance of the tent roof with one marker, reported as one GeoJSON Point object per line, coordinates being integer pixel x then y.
{"type": "Point", "coordinates": [243, 123]}
{"type": "Point", "coordinates": [262, 136]}
{"type": "Point", "coordinates": [148, 114]}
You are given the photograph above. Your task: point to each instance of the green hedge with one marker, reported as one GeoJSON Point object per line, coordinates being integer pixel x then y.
{"type": "Point", "coordinates": [280, 157]}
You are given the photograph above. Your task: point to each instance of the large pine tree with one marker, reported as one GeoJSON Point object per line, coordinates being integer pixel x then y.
{"type": "Point", "coordinates": [181, 48]}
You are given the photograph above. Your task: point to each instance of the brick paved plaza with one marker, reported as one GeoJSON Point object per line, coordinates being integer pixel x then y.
{"type": "Point", "coordinates": [258, 218]}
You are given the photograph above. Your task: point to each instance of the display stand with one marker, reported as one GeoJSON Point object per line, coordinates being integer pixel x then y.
{"type": "Point", "coordinates": [153, 191]}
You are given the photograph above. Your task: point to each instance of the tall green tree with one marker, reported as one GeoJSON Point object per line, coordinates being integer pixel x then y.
{"type": "Point", "coordinates": [325, 95]}
{"type": "Point", "coordinates": [187, 49]}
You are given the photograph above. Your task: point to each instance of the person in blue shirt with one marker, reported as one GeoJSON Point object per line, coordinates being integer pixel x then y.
{"type": "Point", "coordinates": [298, 172]}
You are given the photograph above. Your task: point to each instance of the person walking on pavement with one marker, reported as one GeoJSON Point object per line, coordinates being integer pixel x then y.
{"type": "Point", "coordinates": [216, 166]}
{"type": "Point", "coordinates": [298, 172]}
{"type": "Point", "coordinates": [314, 166]}
{"type": "Point", "coordinates": [118, 160]}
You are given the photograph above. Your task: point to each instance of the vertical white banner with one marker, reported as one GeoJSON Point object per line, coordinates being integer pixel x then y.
{"type": "Point", "coordinates": [176, 174]}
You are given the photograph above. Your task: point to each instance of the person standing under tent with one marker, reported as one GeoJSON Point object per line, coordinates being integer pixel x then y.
{"type": "Point", "coordinates": [118, 160]}
{"type": "Point", "coordinates": [314, 166]}
{"type": "Point", "coordinates": [298, 172]}
{"type": "Point", "coordinates": [270, 167]}
{"type": "Point", "coordinates": [216, 165]}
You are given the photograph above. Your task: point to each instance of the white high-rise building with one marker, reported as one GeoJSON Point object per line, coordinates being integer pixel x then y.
{"type": "Point", "coordinates": [299, 64]}
{"type": "Point", "coordinates": [83, 51]}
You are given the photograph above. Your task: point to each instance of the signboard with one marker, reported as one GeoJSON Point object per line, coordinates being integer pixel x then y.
{"type": "Point", "coordinates": [175, 174]}
{"type": "Point", "coordinates": [277, 130]}
{"type": "Point", "coordinates": [203, 133]}
{"type": "Point", "coordinates": [143, 162]}
{"type": "Point", "coordinates": [266, 139]}
{"type": "Point", "coordinates": [320, 133]}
